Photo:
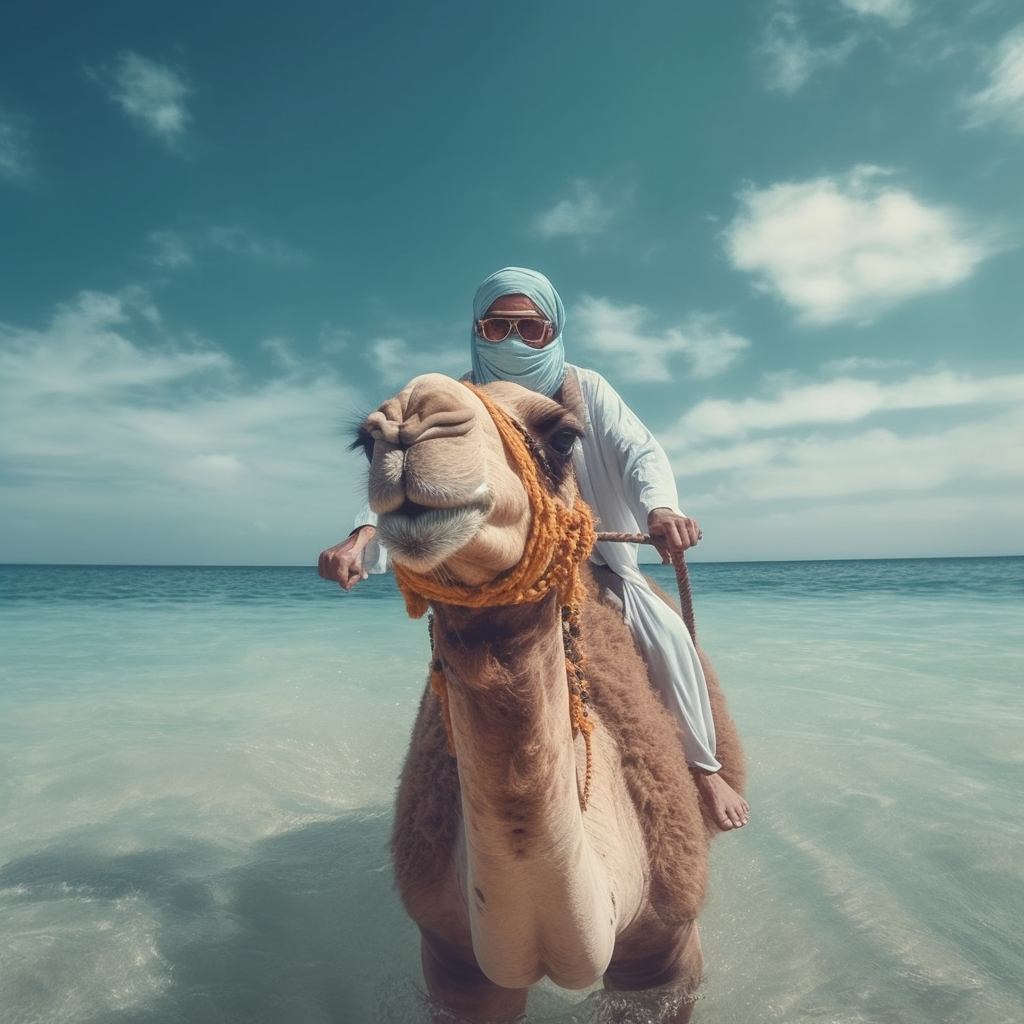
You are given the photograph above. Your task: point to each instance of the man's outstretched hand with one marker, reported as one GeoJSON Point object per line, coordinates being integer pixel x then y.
{"type": "Point", "coordinates": [343, 564]}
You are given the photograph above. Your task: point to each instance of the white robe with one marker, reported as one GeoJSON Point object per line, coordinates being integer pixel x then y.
{"type": "Point", "coordinates": [623, 475]}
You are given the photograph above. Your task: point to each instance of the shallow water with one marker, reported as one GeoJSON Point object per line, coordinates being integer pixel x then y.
{"type": "Point", "coordinates": [197, 765]}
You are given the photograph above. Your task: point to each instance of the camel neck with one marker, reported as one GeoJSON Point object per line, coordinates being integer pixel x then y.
{"type": "Point", "coordinates": [538, 895]}
{"type": "Point", "coordinates": [509, 706]}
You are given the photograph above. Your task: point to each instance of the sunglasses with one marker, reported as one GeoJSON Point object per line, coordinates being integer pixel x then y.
{"type": "Point", "coordinates": [498, 328]}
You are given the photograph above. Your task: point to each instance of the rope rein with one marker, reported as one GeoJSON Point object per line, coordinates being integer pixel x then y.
{"type": "Point", "coordinates": [682, 576]}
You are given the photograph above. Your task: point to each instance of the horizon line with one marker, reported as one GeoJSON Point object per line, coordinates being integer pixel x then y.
{"type": "Point", "coordinates": [310, 565]}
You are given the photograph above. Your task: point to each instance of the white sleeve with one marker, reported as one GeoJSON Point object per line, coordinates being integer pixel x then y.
{"type": "Point", "coordinates": [375, 555]}
{"type": "Point", "coordinates": [646, 471]}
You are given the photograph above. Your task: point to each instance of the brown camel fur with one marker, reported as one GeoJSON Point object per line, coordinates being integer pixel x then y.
{"type": "Point", "coordinates": [507, 876]}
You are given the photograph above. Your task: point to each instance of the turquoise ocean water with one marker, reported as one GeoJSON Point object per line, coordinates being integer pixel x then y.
{"type": "Point", "coordinates": [197, 766]}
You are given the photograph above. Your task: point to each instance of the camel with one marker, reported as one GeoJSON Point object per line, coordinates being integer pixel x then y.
{"type": "Point", "coordinates": [546, 823]}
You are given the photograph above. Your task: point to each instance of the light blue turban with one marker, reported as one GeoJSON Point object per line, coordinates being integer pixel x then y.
{"type": "Point", "coordinates": [539, 369]}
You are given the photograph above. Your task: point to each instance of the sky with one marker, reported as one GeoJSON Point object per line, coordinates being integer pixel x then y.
{"type": "Point", "coordinates": [788, 232]}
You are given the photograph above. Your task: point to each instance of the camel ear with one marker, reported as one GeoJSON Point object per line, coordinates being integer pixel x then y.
{"type": "Point", "coordinates": [572, 397]}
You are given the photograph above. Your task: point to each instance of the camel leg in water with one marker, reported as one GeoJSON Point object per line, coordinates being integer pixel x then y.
{"type": "Point", "coordinates": [463, 989]}
{"type": "Point", "coordinates": [675, 963]}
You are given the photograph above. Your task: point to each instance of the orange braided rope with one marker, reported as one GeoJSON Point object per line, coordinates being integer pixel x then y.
{"type": "Point", "coordinates": [560, 539]}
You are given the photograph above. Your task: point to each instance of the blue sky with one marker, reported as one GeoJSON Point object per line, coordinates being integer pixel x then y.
{"type": "Point", "coordinates": [789, 233]}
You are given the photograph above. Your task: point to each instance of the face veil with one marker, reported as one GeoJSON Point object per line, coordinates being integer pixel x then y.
{"type": "Point", "coordinates": [539, 369]}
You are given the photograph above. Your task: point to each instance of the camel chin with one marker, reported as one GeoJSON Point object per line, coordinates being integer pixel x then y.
{"type": "Point", "coordinates": [422, 539]}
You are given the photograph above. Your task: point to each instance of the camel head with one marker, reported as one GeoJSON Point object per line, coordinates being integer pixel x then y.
{"type": "Point", "coordinates": [448, 494]}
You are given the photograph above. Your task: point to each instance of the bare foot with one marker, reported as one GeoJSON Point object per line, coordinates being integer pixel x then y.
{"type": "Point", "coordinates": [727, 807]}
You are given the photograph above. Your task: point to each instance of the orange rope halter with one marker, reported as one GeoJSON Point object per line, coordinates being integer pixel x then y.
{"type": "Point", "coordinates": [560, 539]}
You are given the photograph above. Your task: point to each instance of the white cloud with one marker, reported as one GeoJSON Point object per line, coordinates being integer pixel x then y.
{"type": "Point", "coordinates": [86, 352]}
{"type": "Point", "coordinates": [896, 12]}
{"type": "Point", "coordinates": [844, 400]}
{"type": "Point", "coordinates": [396, 362]}
{"type": "Point", "coordinates": [14, 150]}
{"type": "Point", "coordinates": [1002, 100]}
{"type": "Point", "coordinates": [788, 55]}
{"type": "Point", "coordinates": [151, 94]}
{"type": "Point", "coordinates": [846, 248]}
{"type": "Point", "coordinates": [872, 461]}
{"type": "Point", "coordinates": [584, 214]}
{"type": "Point", "coordinates": [241, 242]}
{"type": "Point", "coordinates": [119, 441]}
{"type": "Point", "coordinates": [215, 469]}
{"type": "Point", "coordinates": [334, 340]}
{"type": "Point", "coordinates": [926, 465]}
{"type": "Point", "coordinates": [944, 433]}
{"type": "Point", "coordinates": [927, 524]}
{"type": "Point", "coordinates": [173, 249]}
{"type": "Point", "coordinates": [282, 352]}
{"type": "Point", "coordinates": [616, 334]}
{"type": "Point", "coordinates": [851, 364]}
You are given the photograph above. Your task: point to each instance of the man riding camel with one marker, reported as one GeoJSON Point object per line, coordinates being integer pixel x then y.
{"type": "Point", "coordinates": [623, 474]}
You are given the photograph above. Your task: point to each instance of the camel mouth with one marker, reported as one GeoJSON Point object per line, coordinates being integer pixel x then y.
{"type": "Point", "coordinates": [420, 538]}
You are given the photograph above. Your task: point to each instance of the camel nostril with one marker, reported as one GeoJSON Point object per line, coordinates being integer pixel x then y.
{"type": "Point", "coordinates": [381, 428]}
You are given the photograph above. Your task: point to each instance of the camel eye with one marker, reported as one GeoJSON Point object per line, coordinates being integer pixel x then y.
{"type": "Point", "coordinates": [364, 440]}
{"type": "Point", "coordinates": [563, 440]}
